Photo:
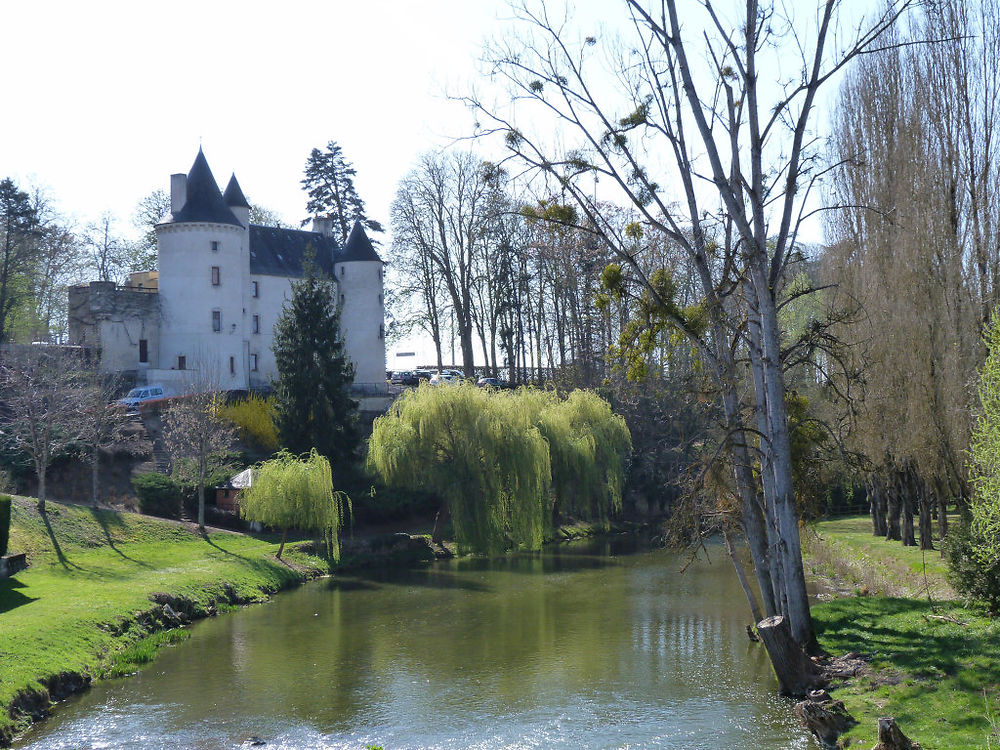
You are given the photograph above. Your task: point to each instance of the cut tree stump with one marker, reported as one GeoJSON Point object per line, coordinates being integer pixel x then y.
{"type": "Point", "coordinates": [826, 719]}
{"type": "Point", "coordinates": [797, 674]}
{"type": "Point", "coordinates": [891, 738]}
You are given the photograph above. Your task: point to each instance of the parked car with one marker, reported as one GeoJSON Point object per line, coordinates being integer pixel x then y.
{"type": "Point", "coordinates": [141, 395]}
{"type": "Point", "coordinates": [492, 383]}
{"type": "Point", "coordinates": [423, 374]}
{"type": "Point", "coordinates": [446, 376]}
{"type": "Point", "coordinates": [404, 377]}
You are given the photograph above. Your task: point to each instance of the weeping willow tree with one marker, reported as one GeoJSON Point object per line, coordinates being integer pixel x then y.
{"type": "Point", "coordinates": [479, 452]}
{"type": "Point", "coordinates": [589, 445]}
{"type": "Point", "coordinates": [292, 492]}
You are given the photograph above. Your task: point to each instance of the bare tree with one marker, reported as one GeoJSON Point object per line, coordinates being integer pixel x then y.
{"type": "Point", "coordinates": [701, 107]}
{"type": "Point", "coordinates": [43, 389]}
{"type": "Point", "coordinates": [196, 438]}
{"type": "Point", "coordinates": [103, 422]}
{"type": "Point", "coordinates": [442, 213]}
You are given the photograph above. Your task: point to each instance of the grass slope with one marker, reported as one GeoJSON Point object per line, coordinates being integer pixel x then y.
{"type": "Point", "coordinates": [935, 663]}
{"type": "Point", "coordinates": [79, 606]}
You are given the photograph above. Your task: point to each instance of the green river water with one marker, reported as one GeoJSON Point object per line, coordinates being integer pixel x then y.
{"type": "Point", "coordinates": [592, 645]}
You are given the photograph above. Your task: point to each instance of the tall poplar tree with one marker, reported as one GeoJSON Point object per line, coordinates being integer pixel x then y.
{"type": "Point", "coordinates": [329, 181]}
{"type": "Point", "coordinates": [314, 407]}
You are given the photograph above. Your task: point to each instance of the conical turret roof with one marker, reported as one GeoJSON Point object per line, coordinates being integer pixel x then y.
{"type": "Point", "coordinates": [204, 200]}
{"type": "Point", "coordinates": [358, 246]}
{"type": "Point", "coordinates": [233, 196]}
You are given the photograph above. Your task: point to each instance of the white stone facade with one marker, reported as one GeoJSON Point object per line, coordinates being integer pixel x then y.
{"type": "Point", "coordinates": [222, 285]}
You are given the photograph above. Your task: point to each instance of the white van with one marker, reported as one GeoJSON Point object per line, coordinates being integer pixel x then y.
{"type": "Point", "coordinates": [141, 395]}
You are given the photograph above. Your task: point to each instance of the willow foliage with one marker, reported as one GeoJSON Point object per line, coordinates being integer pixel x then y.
{"type": "Point", "coordinates": [984, 464]}
{"type": "Point", "coordinates": [588, 446]}
{"type": "Point", "coordinates": [479, 452]}
{"type": "Point", "coordinates": [292, 492]}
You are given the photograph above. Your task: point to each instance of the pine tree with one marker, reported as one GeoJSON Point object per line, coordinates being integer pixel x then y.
{"type": "Point", "coordinates": [313, 404]}
{"type": "Point", "coordinates": [329, 181]}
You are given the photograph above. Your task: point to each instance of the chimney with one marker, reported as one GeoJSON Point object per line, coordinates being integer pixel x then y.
{"type": "Point", "coordinates": [178, 192]}
{"type": "Point", "coordinates": [323, 225]}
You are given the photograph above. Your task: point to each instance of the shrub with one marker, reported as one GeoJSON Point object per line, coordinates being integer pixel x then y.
{"type": "Point", "coordinates": [254, 418]}
{"type": "Point", "coordinates": [158, 494]}
{"type": "Point", "coordinates": [5, 502]}
{"type": "Point", "coordinates": [971, 574]}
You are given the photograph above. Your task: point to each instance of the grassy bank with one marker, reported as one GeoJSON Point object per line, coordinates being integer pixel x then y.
{"type": "Point", "coordinates": [934, 663]}
{"type": "Point", "coordinates": [84, 609]}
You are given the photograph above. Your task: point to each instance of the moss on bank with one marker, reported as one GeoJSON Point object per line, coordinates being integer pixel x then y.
{"type": "Point", "coordinates": [100, 582]}
{"type": "Point", "coordinates": [934, 664]}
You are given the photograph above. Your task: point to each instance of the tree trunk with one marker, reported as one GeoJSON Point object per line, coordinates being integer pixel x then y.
{"type": "Point", "coordinates": [942, 509]}
{"type": "Point", "coordinates": [926, 522]}
{"type": "Point", "coordinates": [892, 532]}
{"type": "Point", "coordinates": [780, 454]}
{"type": "Point", "coordinates": [742, 577]}
{"type": "Point", "coordinates": [907, 487]}
{"type": "Point", "coordinates": [281, 547]}
{"type": "Point", "coordinates": [95, 467]}
{"type": "Point", "coordinates": [877, 509]}
{"type": "Point", "coordinates": [201, 505]}
{"type": "Point", "coordinates": [796, 672]}
{"type": "Point", "coordinates": [41, 487]}
{"type": "Point", "coordinates": [440, 522]}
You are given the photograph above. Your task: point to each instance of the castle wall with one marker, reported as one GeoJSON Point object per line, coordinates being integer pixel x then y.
{"type": "Point", "coordinates": [362, 316]}
{"type": "Point", "coordinates": [192, 294]}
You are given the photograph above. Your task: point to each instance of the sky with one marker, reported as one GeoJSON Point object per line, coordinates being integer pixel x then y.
{"type": "Point", "coordinates": [104, 100]}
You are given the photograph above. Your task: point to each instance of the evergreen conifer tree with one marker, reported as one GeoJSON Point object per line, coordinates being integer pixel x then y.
{"type": "Point", "coordinates": [313, 404]}
{"type": "Point", "coordinates": [329, 181]}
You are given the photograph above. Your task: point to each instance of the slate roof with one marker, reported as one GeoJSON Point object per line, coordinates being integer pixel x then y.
{"type": "Point", "coordinates": [358, 246]}
{"type": "Point", "coordinates": [204, 201]}
{"type": "Point", "coordinates": [234, 196]}
{"type": "Point", "coordinates": [277, 251]}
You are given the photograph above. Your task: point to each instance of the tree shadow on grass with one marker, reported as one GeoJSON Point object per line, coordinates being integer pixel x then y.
{"type": "Point", "coordinates": [102, 517]}
{"type": "Point", "coordinates": [63, 560]}
{"type": "Point", "coordinates": [10, 597]}
{"type": "Point", "coordinates": [204, 535]}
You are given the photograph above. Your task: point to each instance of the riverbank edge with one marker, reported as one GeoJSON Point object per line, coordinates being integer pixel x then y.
{"type": "Point", "coordinates": [171, 609]}
{"type": "Point", "coordinates": [855, 580]}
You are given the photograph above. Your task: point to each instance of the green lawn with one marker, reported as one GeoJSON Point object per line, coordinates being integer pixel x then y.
{"type": "Point", "coordinates": [91, 572]}
{"type": "Point", "coordinates": [935, 663]}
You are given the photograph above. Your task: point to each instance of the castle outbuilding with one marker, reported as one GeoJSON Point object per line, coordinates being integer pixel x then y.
{"type": "Point", "coordinates": [207, 314]}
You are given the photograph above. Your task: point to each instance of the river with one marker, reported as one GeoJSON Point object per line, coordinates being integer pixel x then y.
{"type": "Point", "coordinates": [592, 645]}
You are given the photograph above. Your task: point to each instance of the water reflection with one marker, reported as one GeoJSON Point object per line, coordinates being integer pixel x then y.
{"type": "Point", "coordinates": [589, 646]}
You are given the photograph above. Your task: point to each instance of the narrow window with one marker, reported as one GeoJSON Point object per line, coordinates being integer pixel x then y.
{"type": "Point", "coordinates": [143, 350]}
{"type": "Point", "coordinates": [253, 363]}
{"type": "Point", "coordinates": [256, 324]}
{"type": "Point", "coordinates": [380, 299]}
{"type": "Point", "coordinates": [380, 273]}
{"type": "Point", "coordinates": [215, 275]}
{"type": "Point", "coordinates": [216, 320]}
{"type": "Point", "coordinates": [341, 299]}
{"type": "Point", "coordinates": [381, 332]}
{"type": "Point", "coordinates": [181, 362]}
{"type": "Point", "coordinates": [342, 272]}
{"type": "Point", "coordinates": [215, 246]}
{"type": "Point", "coordinates": [254, 289]}
{"type": "Point", "coordinates": [232, 365]}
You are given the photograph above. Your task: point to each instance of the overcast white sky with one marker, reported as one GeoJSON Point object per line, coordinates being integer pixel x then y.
{"type": "Point", "coordinates": [102, 101]}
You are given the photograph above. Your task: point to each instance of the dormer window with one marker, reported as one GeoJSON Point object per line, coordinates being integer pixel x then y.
{"type": "Point", "coordinates": [215, 275]}
{"type": "Point", "coordinates": [215, 246]}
